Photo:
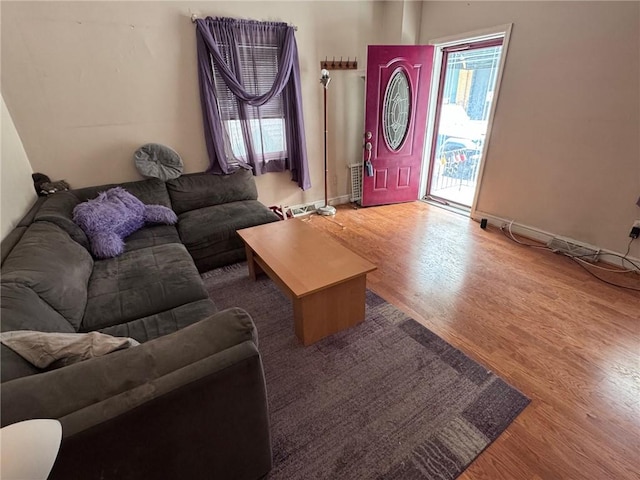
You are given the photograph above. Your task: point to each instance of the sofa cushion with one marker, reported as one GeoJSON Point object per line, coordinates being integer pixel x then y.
{"type": "Point", "coordinates": [215, 225]}
{"type": "Point", "coordinates": [206, 259]}
{"type": "Point", "coordinates": [114, 215]}
{"type": "Point", "coordinates": [210, 233]}
{"type": "Point", "coordinates": [198, 190]}
{"type": "Point", "coordinates": [58, 209]}
{"type": "Point", "coordinates": [22, 309]}
{"type": "Point", "coordinates": [163, 323]}
{"type": "Point", "coordinates": [140, 283]}
{"type": "Point", "coordinates": [55, 267]}
{"type": "Point", "coordinates": [151, 236]}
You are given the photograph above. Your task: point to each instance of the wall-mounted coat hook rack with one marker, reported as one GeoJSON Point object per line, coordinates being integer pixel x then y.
{"type": "Point", "coordinates": [340, 64]}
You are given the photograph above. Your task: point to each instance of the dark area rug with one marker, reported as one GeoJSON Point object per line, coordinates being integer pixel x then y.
{"type": "Point", "coordinates": [387, 399]}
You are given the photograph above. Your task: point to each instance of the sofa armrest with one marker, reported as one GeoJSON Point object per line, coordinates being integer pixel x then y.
{"type": "Point", "coordinates": [58, 393]}
{"type": "Point", "coordinates": [188, 405]}
{"type": "Point", "coordinates": [206, 420]}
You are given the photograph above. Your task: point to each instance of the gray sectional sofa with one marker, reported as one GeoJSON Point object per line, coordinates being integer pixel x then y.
{"type": "Point", "coordinates": [190, 401]}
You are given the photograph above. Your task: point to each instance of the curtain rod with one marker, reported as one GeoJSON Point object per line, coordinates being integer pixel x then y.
{"type": "Point", "coordinates": [194, 17]}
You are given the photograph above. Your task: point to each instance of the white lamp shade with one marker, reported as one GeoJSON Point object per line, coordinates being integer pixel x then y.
{"type": "Point", "coordinates": [29, 449]}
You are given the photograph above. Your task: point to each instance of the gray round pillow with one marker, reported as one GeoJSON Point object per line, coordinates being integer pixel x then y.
{"type": "Point", "coordinates": [158, 161]}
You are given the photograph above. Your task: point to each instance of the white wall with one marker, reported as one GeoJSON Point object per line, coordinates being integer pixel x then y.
{"type": "Point", "coordinates": [399, 22]}
{"type": "Point", "coordinates": [89, 82]}
{"type": "Point", "coordinates": [564, 155]}
{"type": "Point", "coordinates": [16, 185]}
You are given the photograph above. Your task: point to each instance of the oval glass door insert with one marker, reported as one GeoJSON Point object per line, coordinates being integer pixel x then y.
{"type": "Point", "coordinates": [395, 110]}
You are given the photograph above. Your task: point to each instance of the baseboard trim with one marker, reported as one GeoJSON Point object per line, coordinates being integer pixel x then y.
{"type": "Point", "coordinates": [341, 200]}
{"type": "Point", "coordinates": [544, 236]}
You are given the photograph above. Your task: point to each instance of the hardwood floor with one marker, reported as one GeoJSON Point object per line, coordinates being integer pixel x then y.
{"type": "Point", "coordinates": [566, 340]}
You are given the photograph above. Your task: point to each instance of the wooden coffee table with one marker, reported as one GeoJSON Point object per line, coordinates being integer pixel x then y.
{"type": "Point", "coordinates": [325, 281]}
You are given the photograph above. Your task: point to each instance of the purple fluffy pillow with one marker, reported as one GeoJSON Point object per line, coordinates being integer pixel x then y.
{"type": "Point", "coordinates": [114, 215]}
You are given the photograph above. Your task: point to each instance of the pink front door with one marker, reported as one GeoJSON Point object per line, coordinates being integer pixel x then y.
{"type": "Point", "coordinates": [397, 97]}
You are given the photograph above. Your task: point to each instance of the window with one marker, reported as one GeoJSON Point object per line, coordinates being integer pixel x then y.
{"type": "Point", "coordinates": [242, 63]}
{"type": "Point", "coordinates": [264, 130]}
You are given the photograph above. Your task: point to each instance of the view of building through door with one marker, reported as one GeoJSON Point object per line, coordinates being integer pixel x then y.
{"type": "Point", "coordinates": [465, 94]}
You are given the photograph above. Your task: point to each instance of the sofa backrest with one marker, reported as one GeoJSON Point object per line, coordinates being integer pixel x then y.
{"type": "Point", "coordinates": [14, 236]}
{"type": "Point", "coordinates": [22, 309]}
{"type": "Point", "coordinates": [151, 191]}
{"type": "Point", "coordinates": [58, 208]}
{"type": "Point", "coordinates": [10, 241]}
{"type": "Point", "coordinates": [199, 190]}
{"type": "Point", "coordinates": [31, 214]}
{"type": "Point", "coordinates": [49, 264]}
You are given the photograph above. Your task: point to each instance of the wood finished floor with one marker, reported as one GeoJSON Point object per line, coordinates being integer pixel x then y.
{"type": "Point", "coordinates": [566, 340]}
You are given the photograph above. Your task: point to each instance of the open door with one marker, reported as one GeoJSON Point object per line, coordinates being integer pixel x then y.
{"type": "Point", "coordinates": [397, 96]}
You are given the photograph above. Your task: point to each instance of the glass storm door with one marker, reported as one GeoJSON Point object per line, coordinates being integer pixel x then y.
{"type": "Point", "coordinates": [465, 93]}
{"type": "Point", "coordinates": [397, 95]}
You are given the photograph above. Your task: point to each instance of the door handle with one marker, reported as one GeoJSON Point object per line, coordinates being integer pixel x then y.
{"type": "Point", "coordinates": [367, 163]}
{"type": "Point", "coordinates": [368, 147]}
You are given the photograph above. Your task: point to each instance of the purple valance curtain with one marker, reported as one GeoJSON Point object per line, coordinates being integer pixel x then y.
{"type": "Point", "coordinates": [218, 43]}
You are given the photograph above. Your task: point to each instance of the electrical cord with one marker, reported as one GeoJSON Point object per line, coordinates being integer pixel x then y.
{"type": "Point", "coordinates": [636, 266]}
{"type": "Point", "coordinates": [627, 253]}
{"type": "Point", "coordinates": [628, 247]}
{"type": "Point", "coordinates": [544, 247]}
{"type": "Point", "coordinates": [511, 236]}
{"type": "Point", "coordinates": [578, 258]}
{"type": "Point", "coordinates": [327, 219]}
{"type": "Point", "coordinates": [600, 278]}
{"type": "Point", "coordinates": [334, 221]}
{"type": "Point", "coordinates": [612, 270]}
{"type": "Point", "coordinates": [624, 258]}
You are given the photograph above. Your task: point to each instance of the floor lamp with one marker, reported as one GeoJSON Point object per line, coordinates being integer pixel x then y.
{"type": "Point", "coordinates": [29, 449]}
{"type": "Point", "coordinates": [327, 209]}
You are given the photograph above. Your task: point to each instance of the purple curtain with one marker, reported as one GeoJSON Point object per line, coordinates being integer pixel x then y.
{"type": "Point", "coordinates": [211, 33]}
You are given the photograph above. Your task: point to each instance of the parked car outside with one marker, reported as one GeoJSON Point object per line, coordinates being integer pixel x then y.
{"type": "Point", "coordinates": [459, 157]}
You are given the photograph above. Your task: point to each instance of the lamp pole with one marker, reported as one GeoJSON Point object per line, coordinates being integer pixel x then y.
{"type": "Point", "coordinates": [327, 209]}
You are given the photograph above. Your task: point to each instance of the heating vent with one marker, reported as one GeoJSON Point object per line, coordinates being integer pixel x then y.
{"type": "Point", "coordinates": [301, 210]}
{"type": "Point", "coordinates": [574, 249]}
{"type": "Point", "coordinates": [355, 170]}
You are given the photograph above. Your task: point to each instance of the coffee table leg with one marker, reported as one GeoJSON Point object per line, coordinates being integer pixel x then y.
{"type": "Point", "coordinates": [254, 268]}
{"type": "Point", "coordinates": [330, 310]}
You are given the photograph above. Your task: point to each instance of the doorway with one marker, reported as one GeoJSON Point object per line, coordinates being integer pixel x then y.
{"type": "Point", "coordinates": [467, 87]}
{"type": "Point", "coordinates": [398, 85]}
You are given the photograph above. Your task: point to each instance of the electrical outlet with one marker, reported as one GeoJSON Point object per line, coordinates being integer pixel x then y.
{"type": "Point", "coordinates": [635, 229]}
{"type": "Point", "coordinates": [636, 224]}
